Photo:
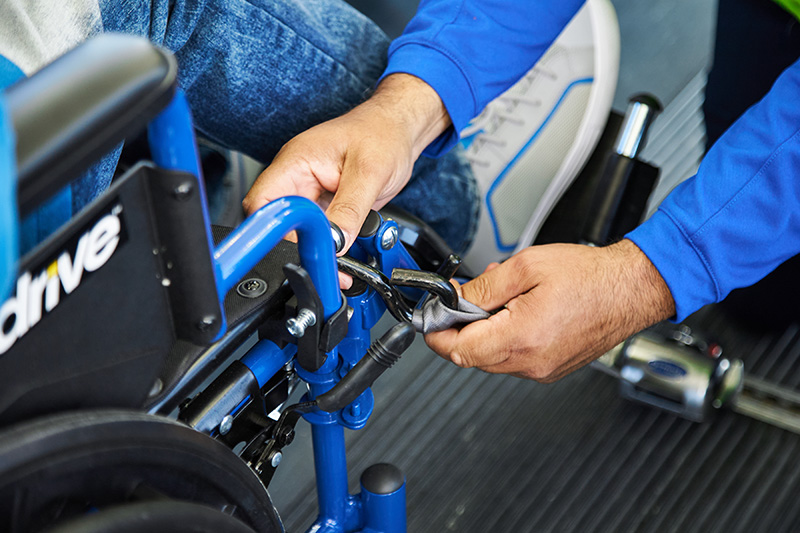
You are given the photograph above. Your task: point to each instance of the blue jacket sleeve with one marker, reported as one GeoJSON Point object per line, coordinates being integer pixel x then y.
{"type": "Point", "coordinates": [470, 51]}
{"type": "Point", "coordinates": [739, 217]}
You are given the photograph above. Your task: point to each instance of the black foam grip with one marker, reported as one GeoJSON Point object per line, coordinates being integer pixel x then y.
{"type": "Point", "coordinates": [381, 355]}
{"type": "Point", "coordinates": [73, 111]}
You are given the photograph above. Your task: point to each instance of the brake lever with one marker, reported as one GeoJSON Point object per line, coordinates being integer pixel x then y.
{"type": "Point", "coordinates": [428, 281]}
{"type": "Point", "coordinates": [378, 281]}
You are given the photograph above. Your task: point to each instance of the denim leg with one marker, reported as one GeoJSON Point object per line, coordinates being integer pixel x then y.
{"type": "Point", "coordinates": [443, 192]}
{"type": "Point", "coordinates": [258, 72]}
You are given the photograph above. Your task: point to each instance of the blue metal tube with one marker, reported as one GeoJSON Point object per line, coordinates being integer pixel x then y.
{"type": "Point", "coordinates": [171, 138]}
{"type": "Point", "coordinates": [330, 466]}
{"type": "Point", "coordinates": [384, 513]}
{"type": "Point", "coordinates": [265, 359]}
{"type": "Point", "coordinates": [257, 235]}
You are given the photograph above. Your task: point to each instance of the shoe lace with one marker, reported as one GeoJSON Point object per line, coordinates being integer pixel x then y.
{"type": "Point", "coordinates": [487, 143]}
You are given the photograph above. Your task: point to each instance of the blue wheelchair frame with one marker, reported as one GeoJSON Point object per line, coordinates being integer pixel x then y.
{"type": "Point", "coordinates": [173, 147]}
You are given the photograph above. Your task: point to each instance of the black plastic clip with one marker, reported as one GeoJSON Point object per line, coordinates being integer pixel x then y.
{"type": "Point", "coordinates": [309, 356]}
{"type": "Point", "coordinates": [319, 337]}
{"type": "Point", "coordinates": [334, 330]}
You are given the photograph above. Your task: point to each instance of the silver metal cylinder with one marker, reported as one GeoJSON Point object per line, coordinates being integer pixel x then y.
{"type": "Point", "coordinates": [642, 109]}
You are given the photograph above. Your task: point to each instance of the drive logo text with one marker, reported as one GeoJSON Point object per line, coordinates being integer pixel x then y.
{"type": "Point", "coordinates": [40, 292]}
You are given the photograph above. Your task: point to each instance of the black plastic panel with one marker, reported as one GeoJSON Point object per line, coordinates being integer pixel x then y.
{"type": "Point", "coordinates": [103, 343]}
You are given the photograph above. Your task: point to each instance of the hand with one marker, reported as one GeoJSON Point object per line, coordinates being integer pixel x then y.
{"type": "Point", "coordinates": [565, 305]}
{"type": "Point", "coordinates": [360, 160]}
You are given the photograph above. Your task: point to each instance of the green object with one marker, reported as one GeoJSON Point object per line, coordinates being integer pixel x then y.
{"type": "Point", "coordinates": [792, 6]}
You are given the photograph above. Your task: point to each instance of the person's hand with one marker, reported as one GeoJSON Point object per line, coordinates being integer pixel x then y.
{"type": "Point", "coordinates": [565, 305]}
{"type": "Point", "coordinates": [360, 160]}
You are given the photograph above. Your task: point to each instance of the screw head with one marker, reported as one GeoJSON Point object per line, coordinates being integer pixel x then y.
{"type": "Point", "coordinates": [297, 326]}
{"type": "Point", "coordinates": [275, 459]}
{"type": "Point", "coordinates": [157, 387]}
{"type": "Point", "coordinates": [251, 288]}
{"type": "Point", "coordinates": [206, 323]}
{"type": "Point", "coordinates": [225, 425]}
{"type": "Point", "coordinates": [285, 437]}
{"type": "Point", "coordinates": [183, 191]}
{"type": "Point", "coordinates": [294, 327]}
{"type": "Point", "coordinates": [389, 238]}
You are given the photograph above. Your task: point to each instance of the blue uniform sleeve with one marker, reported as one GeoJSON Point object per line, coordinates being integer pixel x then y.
{"type": "Point", "coordinates": [470, 51]}
{"type": "Point", "coordinates": [739, 217]}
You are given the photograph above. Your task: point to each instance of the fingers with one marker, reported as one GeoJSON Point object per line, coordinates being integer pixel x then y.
{"type": "Point", "coordinates": [286, 176]}
{"type": "Point", "coordinates": [481, 344]}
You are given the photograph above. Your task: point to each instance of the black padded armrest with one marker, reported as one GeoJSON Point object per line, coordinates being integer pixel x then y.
{"type": "Point", "coordinates": [79, 107]}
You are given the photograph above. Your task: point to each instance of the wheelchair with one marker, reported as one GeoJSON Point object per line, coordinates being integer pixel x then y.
{"type": "Point", "coordinates": [148, 357]}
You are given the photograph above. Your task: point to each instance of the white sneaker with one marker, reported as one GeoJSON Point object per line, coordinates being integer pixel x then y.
{"type": "Point", "coordinates": [531, 142]}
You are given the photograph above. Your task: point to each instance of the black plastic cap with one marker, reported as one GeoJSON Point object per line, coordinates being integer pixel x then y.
{"type": "Point", "coordinates": [370, 225]}
{"type": "Point", "coordinates": [648, 100]}
{"type": "Point", "coordinates": [382, 478]}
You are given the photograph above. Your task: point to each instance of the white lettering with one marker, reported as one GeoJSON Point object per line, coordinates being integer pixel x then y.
{"type": "Point", "coordinates": [35, 297]}
{"type": "Point", "coordinates": [103, 240]}
{"type": "Point", "coordinates": [24, 310]}
{"type": "Point", "coordinates": [21, 323]}
{"type": "Point", "coordinates": [69, 272]}
{"type": "Point", "coordinates": [8, 310]}
{"type": "Point", "coordinates": [14, 309]}
{"type": "Point", "coordinates": [53, 293]}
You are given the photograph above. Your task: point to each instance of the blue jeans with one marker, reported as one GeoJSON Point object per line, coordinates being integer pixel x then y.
{"type": "Point", "coordinates": [258, 72]}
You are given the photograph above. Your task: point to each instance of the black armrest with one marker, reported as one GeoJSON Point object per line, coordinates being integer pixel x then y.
{"type": "Point", "coordinates": [79, 107]}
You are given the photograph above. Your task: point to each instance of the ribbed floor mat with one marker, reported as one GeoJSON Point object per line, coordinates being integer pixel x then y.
{"type": "Point", "coordinates": [493, 453]}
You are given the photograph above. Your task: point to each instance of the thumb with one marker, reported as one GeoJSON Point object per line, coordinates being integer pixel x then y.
{"type": "Point", "coordinates": [496, 286]}
{"type": "Point", "coordinates": [355, 196]}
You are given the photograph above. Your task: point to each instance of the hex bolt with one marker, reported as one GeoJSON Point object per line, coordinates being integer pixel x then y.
{"type": "Point", "coordinates": [389, 238]}
{"type": "Point", "coordinates": [225, 425]}
{"type": "Point", "coordinates": [275, 459]}
{"type": "Point", "coordinates": [305, 319]}
{"type": "Point", "coordinates": [251, 288]}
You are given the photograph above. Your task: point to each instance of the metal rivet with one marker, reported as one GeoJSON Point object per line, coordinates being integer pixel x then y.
{"type": "Point", "coordinates": [305, 319]}
{"type": "Point", "coordinates": [275, 459]}
{"type": "Point", "coordinates": [183, 191]}
{"type": "Point", "coordinates": [206, 323]}
{"type": "Point", "coordinates": [251, 288]}
{"type": "Point", "coordinates": [389, 238]}
{"type": "Point", "coordinates": [225, 425]}
{"type": "Point", "coordinates": [157, 387]}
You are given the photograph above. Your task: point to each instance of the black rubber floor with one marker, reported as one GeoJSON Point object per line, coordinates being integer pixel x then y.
{"type": "Point", "coordinates": [493, 453]}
